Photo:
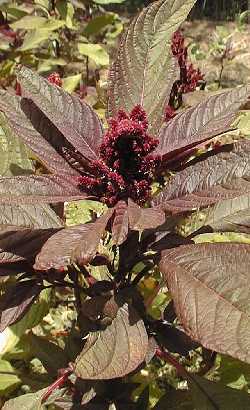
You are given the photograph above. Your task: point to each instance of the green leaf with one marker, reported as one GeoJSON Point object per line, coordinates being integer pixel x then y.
{"type": "Point", "coordinates": [98, 23]}
{"type": "Point", "coordinates": [208, 395]}
{"type": "Point", "coordinates": [30, 401]}
{"type": "Point", "coordinates": [145, 70]}
{"type": "Point", "coordinates": [49, 64]}
{"type": "Point", "coordinates": [104, 2]}
{"type": "Point", "coordinates": [13, 154]}
{"type": "Point", "coordinates": [96, 52]}
{"type": "Point", "coordinates": [34, 37]}
{"type": "Point", "coordinates": [234, 373]}
{"type": "Point", "coordinates": [29, 23]}
{"type": "Point", "coordinates": [66, 11]}
{"type": "Point", "coordinates": [72, 82]}
{"type": "Point", "coordinates": [8, 379]}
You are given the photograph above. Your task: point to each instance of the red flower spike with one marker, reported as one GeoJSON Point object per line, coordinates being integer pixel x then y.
{"type": "Point", "coordinates": [55, 79]}
{"type": "Point", "coordinates": [125, 168]}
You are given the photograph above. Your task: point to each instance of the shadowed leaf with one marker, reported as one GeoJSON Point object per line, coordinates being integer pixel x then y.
{"type": "Point", "coordinates": [224, 176]}
{"type": "Point", "coordinates": [209, 284]}
{"type": "Point", "coordinates": [37, 188]}
{"type": "Point", "coordinates": [17, 243]}
{"type": "Point", "coordinates": [208, 395]}
{"type": "Point", "coordinates": [115, 351]}
{"type": "Point", "coordinates": [36, 131]}
{"type": "Point", "coordinates": [73, 118]}
{"type": "Point", "coordinates": [145, 70]}
{"type": "Point", "coordinates": [30, 401]}
{"type": "Point", "coordinates": [120, 225]}
{"type": "Point", "coordinates": [211, 117]}
{"type": "Point", "coordinates": [16, 301]}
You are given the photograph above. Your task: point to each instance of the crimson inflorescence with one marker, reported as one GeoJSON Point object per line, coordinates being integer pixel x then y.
{"type": "Point", "coordinates": [54, 78]}
{"type": "Point", "coordinates": [190, 77]}
{"type": "Point", "coordinates": [126, 165]}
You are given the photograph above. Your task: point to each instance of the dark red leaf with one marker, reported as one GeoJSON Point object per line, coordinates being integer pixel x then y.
{"type": "Point", "coordinates": [210, 286]}
{"type": "Point", "coordinates": [19, 244]}
{"type": "Point", "coordinates": [144, 218]}
{"type": "Point", "coordinates": [74, 119]}
{"type": "Point", "coordinates": [16, 301]}
{"type": "Point", "coordinates": [205, 183]}
{"type": "Point", "coordinates": [36, 131]}
{"type": "Point", "coordinates": [211, 117]}
{"type": "Point", "coordinates": [75, 244]}
{"type": "Point", "coordinates": [39, 189]}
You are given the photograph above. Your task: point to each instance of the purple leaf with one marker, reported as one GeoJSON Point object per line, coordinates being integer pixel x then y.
{"type": "Point", "coordinates": [211, 117]}
{"type": "Point", "coordinates": [210, 286]}
{"type": "Point", "coordinates": [19, 244]}
{"type": "Point", "coordinates": [75, 244]}
{"type": "Point", "coordinates": [36, 131]}
{"type": "Point", "coordinates": [144, 70]}
{"type": "Point", "coordinates": [144, 218]}
{"type": "Point", "coordinates": [74, 119]}
{"type": "Point", "coordinates": [16, 301]}
{"type": "Point", "coordinates": [219, 177]}
{"type": "Point", "coordinates": [120, 225]}
{"type": "Point", "coordinates": [116, 351]}
{"type": "Point", "coordinates": [39, 189]}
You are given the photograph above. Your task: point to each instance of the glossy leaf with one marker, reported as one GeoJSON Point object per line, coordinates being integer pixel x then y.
{"type": "Point", "coordinates": [208, 395]}
{"type": "Point", "coordinates": [16, 301]}
{"type": "Point", "coordinates": [209, 284]}
{"type": "Point", "coordinates": [115, 351]}
{"type": "Point", "coordinates": [9, 380]}
{"type": "Point", "coordinates": [145, 70]}
{"type": "Point", "coordinates": [36, 131]}
{"type": "Point", "coordinates": [144, 218]}
{"type": "Point", "coordinates": [211, 117]}
{"type": "Point", "coordinates": [224, 176]}
{"type": "Point", "coordinates": [39, 189]}
{"type": "Point", "coordinates": [73, 118]}
{"type": "Point", "coordinates": [120, 225]}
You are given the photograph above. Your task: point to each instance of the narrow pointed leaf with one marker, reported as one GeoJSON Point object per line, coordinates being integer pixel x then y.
{"type": "Point", "coordinates": [75, 244]}
{"type": "Point", "coordinates": [220, 177]}
{"type": "Point", "coordinates": [210, 286]}
{"type": "Point", "coordinates": [120, 225]}
{"type": "Point", "coordinates": [73, 118]}
{"type": "Point", "coordinates": [16, 301]}
{"type": "Point", "coordinates": [211, 117]}
{"type": "Point", "coordinates": [144, 218]}
{"type": "Point", "coordinates": [145, 70]}
{"type": "Point", "coordinates": [36, 131]}
{"type": "Point", "coordinates": [116, 351]}
{"type": "Point", "coordinates": [39, 189]}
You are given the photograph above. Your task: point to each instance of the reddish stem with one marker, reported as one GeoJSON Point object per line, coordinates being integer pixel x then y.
{"type": "Point", "coordinates": [162, 354]}
{"type": "Point", "coordinates": [57, 384]}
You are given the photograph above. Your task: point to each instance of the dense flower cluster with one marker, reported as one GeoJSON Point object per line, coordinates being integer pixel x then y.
{"type": "Point", "coordinates": [54, 78]}
{"type": "Point", "coordinates": [126, 167]}
{"type": "Point", "coordinates": [190, 77]}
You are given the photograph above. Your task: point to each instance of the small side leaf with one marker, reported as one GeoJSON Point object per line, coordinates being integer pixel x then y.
{"type": "Point", "coordinates": [120, 226]}
{"type": "Point", "coordinates": [144, 218]}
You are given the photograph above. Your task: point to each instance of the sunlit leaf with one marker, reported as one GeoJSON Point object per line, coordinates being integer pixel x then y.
{"type": "Point", "coordinates": [209, 284]}
{"type": "Point", "coordinates": [94, 51]}
{"type": "Point", "coordinates": [144, 70]}
{"type": "Point", "coordinates": [115, 351]}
